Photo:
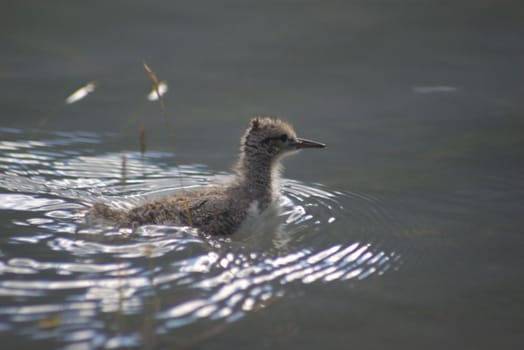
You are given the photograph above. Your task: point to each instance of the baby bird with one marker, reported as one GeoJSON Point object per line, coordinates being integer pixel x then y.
{"type": "Point", "coordinates": [220, 210]}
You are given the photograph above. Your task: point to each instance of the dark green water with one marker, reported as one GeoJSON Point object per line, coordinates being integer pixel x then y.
{"type": "Point", "coordinates": [406, 232]}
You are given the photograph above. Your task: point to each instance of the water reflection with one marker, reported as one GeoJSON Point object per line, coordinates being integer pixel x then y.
{"type": "Point", "coordinates": [62, 278]}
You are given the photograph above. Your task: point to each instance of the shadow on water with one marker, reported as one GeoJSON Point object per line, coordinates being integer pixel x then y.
{"type": "Point", "coordinates": [76, 283]}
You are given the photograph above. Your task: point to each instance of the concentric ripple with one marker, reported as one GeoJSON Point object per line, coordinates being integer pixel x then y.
{"type": "Point", "coordinates": [78, 283]}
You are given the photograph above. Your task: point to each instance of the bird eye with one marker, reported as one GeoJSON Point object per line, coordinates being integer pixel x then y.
{"type": "Point", "coordinates": [283, 137]}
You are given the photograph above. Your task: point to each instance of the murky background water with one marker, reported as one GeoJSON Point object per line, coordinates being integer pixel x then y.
{"type": "Point", "coordinates": [405, 233]}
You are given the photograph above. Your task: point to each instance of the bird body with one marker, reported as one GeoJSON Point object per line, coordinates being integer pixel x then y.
{"type": "Point", "coordinates": [221, 209]}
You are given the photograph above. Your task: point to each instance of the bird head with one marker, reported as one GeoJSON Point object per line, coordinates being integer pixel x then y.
{"type": "Point", "coordinates": [272, 138]}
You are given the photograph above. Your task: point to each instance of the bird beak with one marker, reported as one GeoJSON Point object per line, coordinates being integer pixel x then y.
{"type": "Point", "coordinates": [303, 143]}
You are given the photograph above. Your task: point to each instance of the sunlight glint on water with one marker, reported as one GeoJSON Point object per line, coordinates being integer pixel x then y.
{"type": "Point", "coordinates": [61, 275]}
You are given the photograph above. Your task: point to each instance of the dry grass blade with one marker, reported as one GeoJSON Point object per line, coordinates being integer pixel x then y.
{"type": "Point", "coordinates": [188, 213]}
{"type": "Point", "coordinates": [142, 139]}
{"type": "Point", "coordinates": [155, 94]}
{"type": "Point", "coordinates": [81, 93]}
{"type": "Point", "coordinates": [124, 168]}
{"type": "Point", "coordinates": [159, 89]}
{"type": "Point", "coordinates": [156, 85]}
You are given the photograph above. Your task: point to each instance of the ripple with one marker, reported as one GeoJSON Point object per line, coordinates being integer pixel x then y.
{"type": "Point", "coordinates": [26, 202]}
{"type": "Point", "coordinates": [173, 275]}
{"type": "Point", "coordinates": [245, 282]}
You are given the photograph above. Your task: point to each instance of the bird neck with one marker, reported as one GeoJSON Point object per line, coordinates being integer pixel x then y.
{"type": "Point", "coordinates": [259, 176]}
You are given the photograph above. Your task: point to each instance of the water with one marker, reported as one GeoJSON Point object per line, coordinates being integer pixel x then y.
{"type": "Point", "coordinates": [172, 277]}
{"type": "Point", "coordinates": [405, 232]}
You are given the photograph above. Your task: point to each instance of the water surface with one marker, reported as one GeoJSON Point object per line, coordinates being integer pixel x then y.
{"type": "Point", "coordinates": [406, 232]}
{"type": "Point", "coordinates": [95, 277]}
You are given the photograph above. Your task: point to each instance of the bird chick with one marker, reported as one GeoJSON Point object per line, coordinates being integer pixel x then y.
{"type": "Point", "coordinates": [220, 210]}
